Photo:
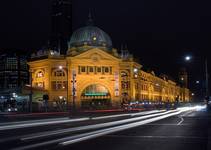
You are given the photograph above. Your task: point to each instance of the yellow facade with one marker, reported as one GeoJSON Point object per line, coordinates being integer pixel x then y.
{"type": "Point", "coordinates": [124, 79]}
{"type": "Point", "coordinates": [96, 75]}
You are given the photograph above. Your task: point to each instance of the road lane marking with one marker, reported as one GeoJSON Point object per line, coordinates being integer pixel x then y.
{"type": "Point", "coordinates": [181, 120]}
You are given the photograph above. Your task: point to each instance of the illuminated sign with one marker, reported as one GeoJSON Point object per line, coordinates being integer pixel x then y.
{"type": "Point", "coordinates": [95, 94]}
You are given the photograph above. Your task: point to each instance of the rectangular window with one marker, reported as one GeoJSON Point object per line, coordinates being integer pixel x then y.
{"type": "Point", "coordinates": [83, 69]}
{"type": "Point", "coordinates": [79, 69]}
{"type": "Point", "coordinates": [110, 70]}
{"type": "Point", "coordinates": [103, 70]}
{"type": "Point", "coordinates": [59, 73]}
{"type": "Point", "coordinates": [106, 70]}
{"type": "Point", "coordinates": [59, 85]}
{"type": "Point", "coordinates": [98, 69]}
{"type": "Point", "coordinates": [91, 69]}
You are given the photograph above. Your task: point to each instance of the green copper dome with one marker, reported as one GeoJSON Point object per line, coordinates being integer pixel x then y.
{"type": "Point", "coordinates": [90, 36]}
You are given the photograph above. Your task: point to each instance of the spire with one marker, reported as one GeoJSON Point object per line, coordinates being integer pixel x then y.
{"type": "Point", "coordinates": [126, 47]}
{"type": "Point", "coordinates": [124, 51]}
{"type": "Point", "coordinates": [90, 20]}
{"type": "Point", "coordinates": [121, 47]}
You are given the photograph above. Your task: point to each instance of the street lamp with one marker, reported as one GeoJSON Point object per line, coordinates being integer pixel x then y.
{"type": "Point", "coordinates": [188, 58]}
{"type": "Point", "coordinates": [197, 82]}
{"type": "Point", "coordinates": [60, 67]}
{"type": "Point", "coordinates": [31, 92]}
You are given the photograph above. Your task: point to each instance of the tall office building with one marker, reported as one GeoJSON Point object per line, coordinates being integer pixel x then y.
{"type": "Point", "coordinates": [61, 24]}
{"type": "Point", "coordinates": [13, 72]}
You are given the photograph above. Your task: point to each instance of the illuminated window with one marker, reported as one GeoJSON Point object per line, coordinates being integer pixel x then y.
{"type": "Point", "coordinates": [106, 69]}
{"type": "Point", "coordinates": [59, 73]}
{"type": "Point", "coordinates": [91, 69]}
{"type": "Point", "coordinates": [39, 84]}
{"type": "Point", "coordinates": [40, 74]}
{"type": "Point", "coordinates": [98, 69]}
{"type": "Point", "coordinates": [83, 69]}
{"type": "Point", "coordinates": [59, 85]}
{"type": "Point", "coordinates": [124, 74]}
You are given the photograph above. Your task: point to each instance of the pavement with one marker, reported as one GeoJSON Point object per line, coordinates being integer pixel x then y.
{"type": "Point", "coordinates": [156, 129]}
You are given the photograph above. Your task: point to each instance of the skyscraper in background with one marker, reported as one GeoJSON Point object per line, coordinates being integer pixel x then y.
{"type": "Point", "coordinates": [61, 24]}
{"type": "Point", "coordinates": [13, 71]}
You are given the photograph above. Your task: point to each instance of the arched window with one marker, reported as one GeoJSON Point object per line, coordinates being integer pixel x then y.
{"type": "Point", "coordinates": [59, 81]}
{"type": "Point", "coordinates": [95, 90]}
{"type": "Point", "coordinates": [124, 74]}
{"type": "Point", "coordinates": [39, 74]}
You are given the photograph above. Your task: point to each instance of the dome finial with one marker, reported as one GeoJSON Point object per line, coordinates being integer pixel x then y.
{"type": "Point", "coordinates": [90, 20]}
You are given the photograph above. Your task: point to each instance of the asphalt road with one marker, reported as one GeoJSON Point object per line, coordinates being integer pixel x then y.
{"type": "Point", "coordinates": [186, 130]}
{"type": "Point", "coordinates": [194, 133]}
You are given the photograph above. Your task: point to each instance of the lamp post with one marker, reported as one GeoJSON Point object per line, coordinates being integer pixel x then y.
{"type": "Point", "coordinates": [73, 90]}
{"type": "Point", "coordinates": [67, 70]}
{"type": "Point", "coordinates": [31, 92]}
{"type": "Point", "coordinates": [188, 58]}
{"type": "Point", "coordinates": [206, 80]}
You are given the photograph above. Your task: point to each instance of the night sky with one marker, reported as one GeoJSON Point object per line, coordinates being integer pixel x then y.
{"type": "Point", "coordinates": [158, 33]}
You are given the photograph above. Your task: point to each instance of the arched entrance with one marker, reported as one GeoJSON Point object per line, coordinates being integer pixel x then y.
{"type": "Point", "coordinates": [95, 96]}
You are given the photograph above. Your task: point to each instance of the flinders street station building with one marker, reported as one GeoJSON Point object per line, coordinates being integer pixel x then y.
{"type": "Point", "coordinates": [93, 73]}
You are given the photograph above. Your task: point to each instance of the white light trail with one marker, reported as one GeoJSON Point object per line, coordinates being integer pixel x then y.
{"type": "Point", "coordinates": [94, 134]}
{"type": "Point", "coordinates": [16, 126]}
{"type": "Point", "coordinates": [96, 126]}
{"type": "Point", "coordinates": [24, 124]}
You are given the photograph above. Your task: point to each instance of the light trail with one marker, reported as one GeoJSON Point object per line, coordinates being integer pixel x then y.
{"type": "Point", "coordinates": [24, 124]}
{"type": "Point", "coordinates": [7, 127]}
{"type": "Point", "coordinates": [89, 135]}
{"type": "Point", "coordinates": [32, 121]}
{"type": "Point", "coordinates": [95, 134]}
{"type": "Point", "coordinates": [96, 126]}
